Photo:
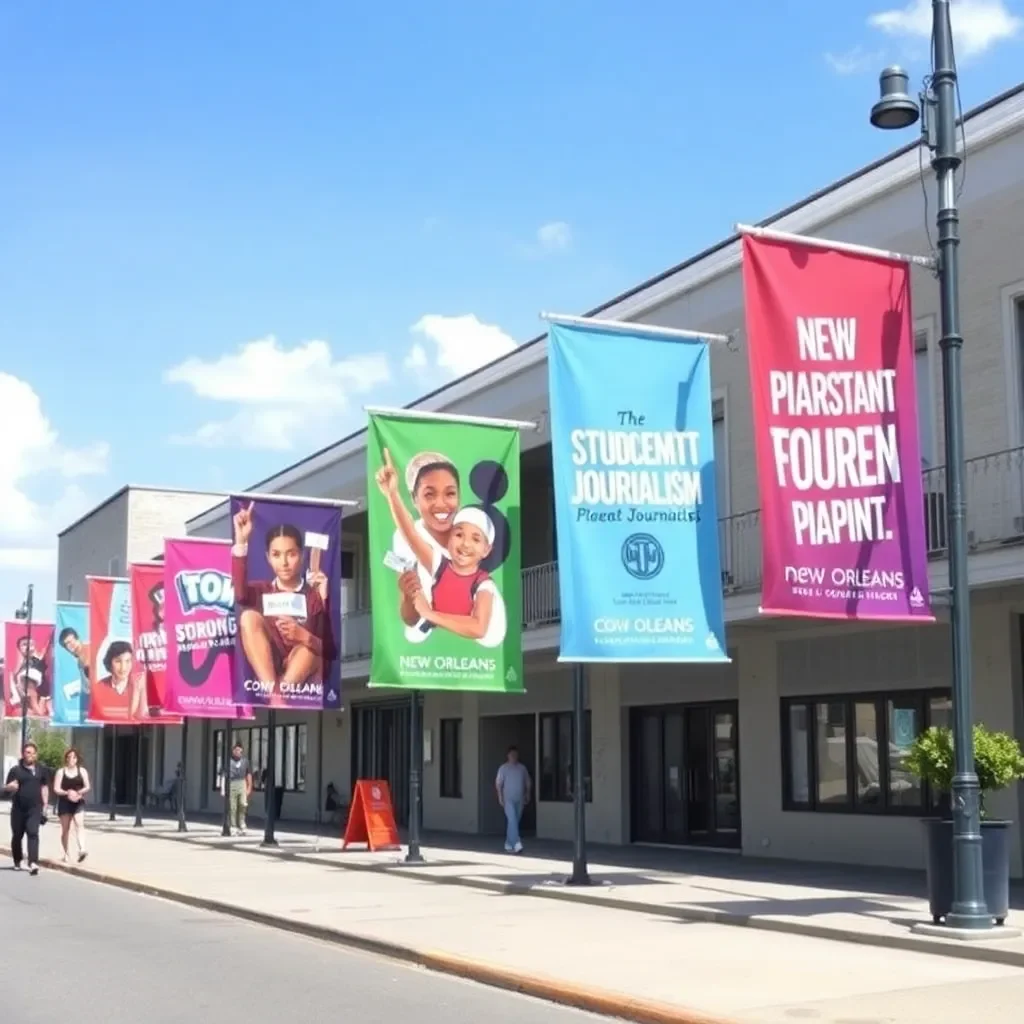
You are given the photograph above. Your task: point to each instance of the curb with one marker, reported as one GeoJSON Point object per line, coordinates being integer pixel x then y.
{"type": "Point", "coordinates": [952, 948]}
{"type": "Point", "coordinates": [598, 1001]}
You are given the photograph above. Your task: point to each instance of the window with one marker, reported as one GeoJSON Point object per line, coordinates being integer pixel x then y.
{"type": "Point", "coordinates": [556, 765]}
{"type": "Point", "coordinates": [290, 757]}
{"type": "Point", "coordinates": [451, 758]}
{"type": "Point", "coordinates": [846, 753]}
{"type": "Point", "coordinates": [925, 405]}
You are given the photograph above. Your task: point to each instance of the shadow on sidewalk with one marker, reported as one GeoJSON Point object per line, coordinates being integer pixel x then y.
{"type": "Point", "coordinates": [872, 891]}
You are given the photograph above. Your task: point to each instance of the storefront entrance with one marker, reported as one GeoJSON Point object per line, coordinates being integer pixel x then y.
{"type": "Point", "coordinates": [684, 774]}
{"type": "Point", "coordinates": [380, 750]}
{"type": "Point", "coordinates": [126, 773]}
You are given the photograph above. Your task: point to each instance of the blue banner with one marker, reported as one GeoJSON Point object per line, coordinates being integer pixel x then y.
{"type": "Point", "coordinates": [71, 666]}
{"type": "Point", "coordinates": [636, 514]}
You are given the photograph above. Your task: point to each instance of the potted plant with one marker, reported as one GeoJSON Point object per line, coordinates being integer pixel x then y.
{"type": "Point", "coordinates": [999, 763]}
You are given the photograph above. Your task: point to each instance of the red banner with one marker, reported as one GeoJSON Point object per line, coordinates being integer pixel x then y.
{"type": "Point", "coordinates": [831, 343]}
{"type": "Point", "coordinates": [149, 635]}
{"type": "Point", "coordinates": [28, 669]}
{"type": "Point", "coordinates": [119, 689]}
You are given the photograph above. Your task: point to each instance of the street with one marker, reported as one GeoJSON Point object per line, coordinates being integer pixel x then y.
{"type": "Point", "coordinates": [103, 956]}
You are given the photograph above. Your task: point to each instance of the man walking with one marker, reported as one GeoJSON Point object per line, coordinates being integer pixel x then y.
{"type": "Point", "coordinates": [239, 788]}
{"type": "Point", "coordinates": [513, 788]}
{"type": "Point", "coordinates": [28, 782]}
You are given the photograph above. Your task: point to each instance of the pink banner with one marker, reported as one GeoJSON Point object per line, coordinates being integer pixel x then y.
{"type": "Point", "coordinates": [199, 613]}
{"type": "Point", "coordinates": [831, 342]}
{"type": "Point", "coordinates": [28, 669]}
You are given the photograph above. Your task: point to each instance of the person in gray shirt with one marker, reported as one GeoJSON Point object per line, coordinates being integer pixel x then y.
{"type": "Point", "coordinates": [513, 788]}
{"type": "Point", "coordinates": [239, 788]}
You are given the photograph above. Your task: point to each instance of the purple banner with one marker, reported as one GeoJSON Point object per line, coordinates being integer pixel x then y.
{"type": "Point", "coordinates": [286, 572]}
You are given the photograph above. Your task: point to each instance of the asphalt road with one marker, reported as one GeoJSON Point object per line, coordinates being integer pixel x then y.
{"type": "Point", "coordinates": [91, 954]}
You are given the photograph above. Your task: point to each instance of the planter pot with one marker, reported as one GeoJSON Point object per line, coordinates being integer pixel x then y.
{"type": "Point", "coordinates": [995, 855]}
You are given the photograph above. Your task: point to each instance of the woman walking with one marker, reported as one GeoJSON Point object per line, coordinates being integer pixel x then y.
{"type": "Point", "coordinates": [71, 784]}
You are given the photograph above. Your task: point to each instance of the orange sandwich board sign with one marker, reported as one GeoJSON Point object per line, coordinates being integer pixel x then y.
{"type": "Point", "coordinates": [371, 819]}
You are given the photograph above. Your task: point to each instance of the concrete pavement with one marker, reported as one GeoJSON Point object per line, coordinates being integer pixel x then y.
{"type": "Point", "coordinates": [869, 907]}
{"type": "Point", "coordinates": [643, 966]}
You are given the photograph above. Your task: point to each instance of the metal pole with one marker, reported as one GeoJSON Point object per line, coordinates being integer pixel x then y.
{"type": "Point", "coordinates": [319, 771]}
{"type": "Point", "coordinates": [580, 874]}
{"type": "Point", "coordinates": [138, 777]}
{"type": "Point", "coordinates": [968, 909]}
{"type": "Point", "coordinates": [225, 755]}
{"type": "Point", "coordinates": [414, 856]}
{"type": "Point", "coordinates": [28, 665]}
{"type": "Point", "coordinates": [270, 786]}
{"type": "Point", "coordinates": [113, 772]}
{"type": "Point", "coordinates": [183, 777]}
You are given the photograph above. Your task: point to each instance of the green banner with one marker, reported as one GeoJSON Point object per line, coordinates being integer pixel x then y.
{"type": "Point", "coordinates": [445, 578]}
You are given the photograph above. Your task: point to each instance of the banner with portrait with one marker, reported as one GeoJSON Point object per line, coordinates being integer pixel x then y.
{"type": "Point", "coordinates": [636, 509]}
{"type": "Point", "coordinates": [444, 522]}
{"type": "Point", "coordinates": [286, 574]}
{"type": "Point", "coordinates": [117, 680]}
{"type": "Point", "coordinates": [832, 374]}
{"type": "Point", "coordinates": [149, 634]}
{"type": "Point", "coordinates": [199, 608]}
{"type": "Point", "coordinates": [71, 666]}
{"type": "Point", "coordinates": [28, 669]}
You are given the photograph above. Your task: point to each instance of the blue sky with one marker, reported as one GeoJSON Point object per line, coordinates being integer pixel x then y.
{"type": "Point", "coordinates": [228, 226]}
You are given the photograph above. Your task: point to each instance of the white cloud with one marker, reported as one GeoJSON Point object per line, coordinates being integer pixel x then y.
{"type": "Point", "coordinates": [463, 343]}
{"type": "Point", "coordinates": [280, 396]}
{"type": "Point", "coordinates": [417, 358]}
{"type": "Point", "coordinates": [555, 236]}
{"type": "Point", "coordinates": [977, 24]}
{"type": "Point", "coordinates": [33, 463]}
{"type": "Point", "coordinates": [854, 61]}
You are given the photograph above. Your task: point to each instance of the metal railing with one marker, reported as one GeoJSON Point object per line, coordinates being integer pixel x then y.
{"type": "Point", "coordinates": [994, 490]}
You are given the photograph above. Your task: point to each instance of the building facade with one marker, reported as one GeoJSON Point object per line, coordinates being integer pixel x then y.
{"type": "Point", "coordinates": [792, 750]}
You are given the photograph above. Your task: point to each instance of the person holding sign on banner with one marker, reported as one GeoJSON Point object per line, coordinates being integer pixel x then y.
{"type": "Point", "coordinates": [462, 593]}
{"type": "Point", "coordinates": [283, 621]}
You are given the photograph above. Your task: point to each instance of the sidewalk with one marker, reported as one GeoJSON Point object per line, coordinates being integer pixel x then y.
{"type": "Point", "coordinates": [868, 906]}
{"type": "Point", "coordinates": [640, 965]}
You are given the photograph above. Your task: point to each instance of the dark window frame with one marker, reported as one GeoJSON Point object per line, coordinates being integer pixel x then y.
{"type": "Point", "coordinates": [550, 788]}
{"type": "Point", "coordinates": [257, 753]}
{"type": "Point", "coordinates": [451, 758]}
{"type": "Point", "coordinates": [880, 699]}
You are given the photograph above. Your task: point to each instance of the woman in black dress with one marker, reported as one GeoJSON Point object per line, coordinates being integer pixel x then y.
{"type": "Point", "coordinates": [70, 785]}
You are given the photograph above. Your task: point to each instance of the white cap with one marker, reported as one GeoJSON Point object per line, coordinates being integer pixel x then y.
{"type": "Point", "coordinates": [476, 517]}
{"type": "Point", "coordinates": [417, 462]}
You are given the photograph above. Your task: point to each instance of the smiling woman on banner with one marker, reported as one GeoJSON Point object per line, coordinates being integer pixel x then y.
{"type": "Point", "coordinates": [281, 647]}
{"type": "Point", "coordinates": [123, 681]}
{"type": "Point", "coordinates": [433, 483]}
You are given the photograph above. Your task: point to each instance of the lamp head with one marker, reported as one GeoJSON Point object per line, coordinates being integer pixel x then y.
{"type": "Point", "coordinates": [895, 108]}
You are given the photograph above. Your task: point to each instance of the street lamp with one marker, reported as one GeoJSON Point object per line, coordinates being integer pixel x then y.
{"type": "Point", "coordinates": [895, 109]}
{"type": "Point", "coordinates": [24, 614]}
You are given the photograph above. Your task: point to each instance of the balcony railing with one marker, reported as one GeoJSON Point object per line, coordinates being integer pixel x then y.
{"type": "Point", "coordinates": [993, 487]}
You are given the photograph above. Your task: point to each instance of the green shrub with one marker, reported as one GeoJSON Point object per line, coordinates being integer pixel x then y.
{"type": "Point", "coordinates": [997, 759]}
{"type": "Point", "coordinates": [51, 747]}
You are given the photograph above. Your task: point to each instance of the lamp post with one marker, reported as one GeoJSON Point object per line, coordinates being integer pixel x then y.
{"type": "Point", "coordinates": [414, 854]}
{"type": "Point", "coordinates": [938, 111]}
{"type": "Point", "coordinates": [270, 783]}
{"type": "Point", "coordinates": [25, 613]}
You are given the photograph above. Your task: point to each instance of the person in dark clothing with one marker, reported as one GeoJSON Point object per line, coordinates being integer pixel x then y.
{"type": "Point", "coordinates": [28, 782]}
